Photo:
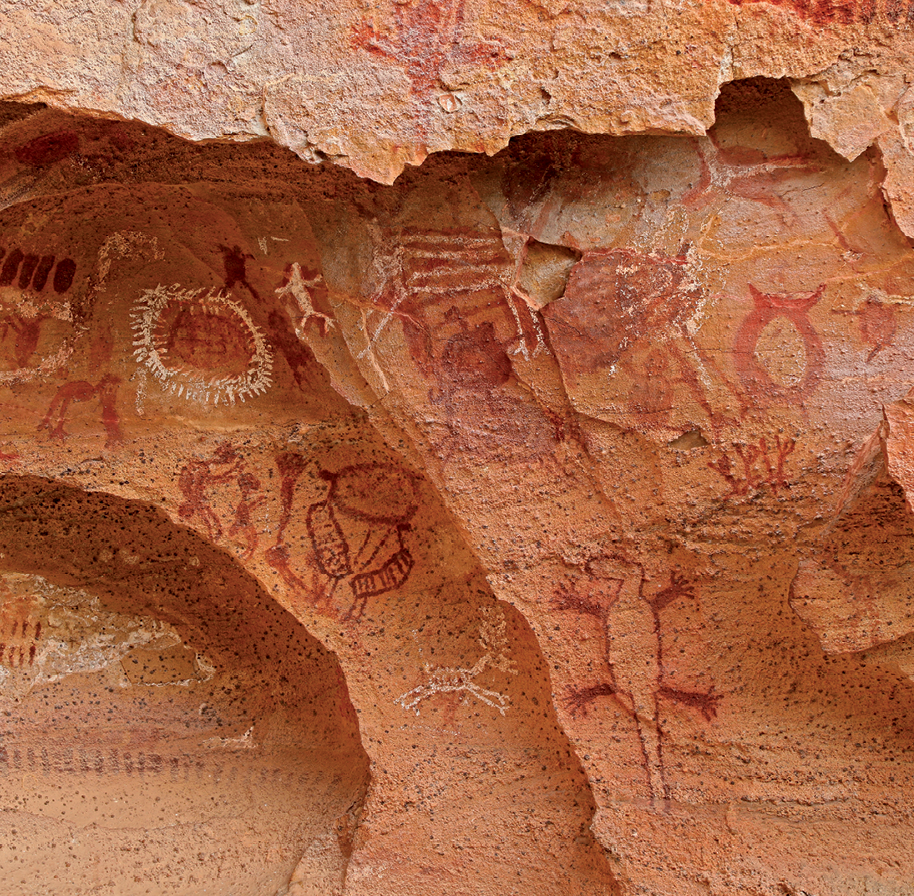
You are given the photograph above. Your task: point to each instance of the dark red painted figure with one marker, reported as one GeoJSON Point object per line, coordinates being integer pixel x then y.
{"type": "Point", "coordinates": [81, 391]}
{"type": "Point", "coordinates": [579, 700]}
{"type": "Point", "coordinates": [633, 654]}
{"type": "Point", "coordinates": [356, 531]}
{"type": "Point", "coordinates": [249, 486]}
{"type": "Point", "coordinates": [877, 324]}
{"type": "Point", "coordinates": [751, 477]}
{"type": "Point", "coordinates": [27, 332]}
{"type": "Point", "coordinates": [236, 263]}
{"type": "Point", "coordinates": [224, 469]}
{"type": "Point", "coordinates": [281, 331]}
{"type": "Point", "coordinates": [198, 476]}
{"type": "Point", "coordinates": [19, 633]}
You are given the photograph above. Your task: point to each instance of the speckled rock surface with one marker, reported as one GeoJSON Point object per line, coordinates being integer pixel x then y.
{"type": "Point", "coordinates": [530, 519]}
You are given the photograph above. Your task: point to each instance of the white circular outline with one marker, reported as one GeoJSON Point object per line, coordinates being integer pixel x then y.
{"type": "Point", "coordinates": [255, 381]}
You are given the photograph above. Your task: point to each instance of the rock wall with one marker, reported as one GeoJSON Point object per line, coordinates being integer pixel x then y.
{"type": "Point", "coordinates": [530, 523]}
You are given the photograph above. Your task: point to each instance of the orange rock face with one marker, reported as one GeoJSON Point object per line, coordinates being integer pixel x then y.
{"type": "Point", "coordinates": [531, 524]}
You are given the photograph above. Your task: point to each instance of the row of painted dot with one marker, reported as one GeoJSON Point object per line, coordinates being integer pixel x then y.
{"type": "Point", "coordinates": [34, 270]}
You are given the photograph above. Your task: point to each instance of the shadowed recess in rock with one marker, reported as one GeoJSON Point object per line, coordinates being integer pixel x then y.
{"type": "Point", "coordinates": [166, 726]}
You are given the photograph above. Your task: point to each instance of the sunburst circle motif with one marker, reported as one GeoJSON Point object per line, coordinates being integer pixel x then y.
{"type": "Point", "coordinates": [201, 344]}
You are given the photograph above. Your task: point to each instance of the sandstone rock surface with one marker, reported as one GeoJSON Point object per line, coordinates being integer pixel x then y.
{"type": "Point", "coordinates": [456, 447]}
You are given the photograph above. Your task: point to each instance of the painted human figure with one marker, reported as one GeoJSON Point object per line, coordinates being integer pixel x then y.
{"type": "Point", "coordinates": [20, 632]}
{"type": "Point", "coordinates": [235, 261]}
{"type": "Point", "coordinates": [105, 390]}
{"type": "Point", "coordinates": [633, 652]}
{"type": "Point", "coordinates": [198, 476]}
{"type": "Point", "coordinates": [26, 332]}
{"type": "Point", "coordinates": [249, 486]}
{"type": "Point", "coordinates": [285, 330]}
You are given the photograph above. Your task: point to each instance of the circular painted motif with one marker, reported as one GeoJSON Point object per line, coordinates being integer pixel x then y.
{"type": "Point", "coordinates": [201, 344]}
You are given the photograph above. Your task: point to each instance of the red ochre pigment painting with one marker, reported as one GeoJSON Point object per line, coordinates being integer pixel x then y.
{"type": "Point", "coordinates": [356, 533]}
{"type": "Point", "coordinates": [766, 309]}
{"type": "Point", "coordinates": [537, 523]}
{"type": "Point", "coordinates": [424, 38]}
{"type": "Point", "coordinates": [631, 630]}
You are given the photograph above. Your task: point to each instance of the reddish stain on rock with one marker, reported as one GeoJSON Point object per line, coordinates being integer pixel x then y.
{"type": "Point", "coordinates": [843, 12]}
{"type": "Point", "coordinates": [47, 149]}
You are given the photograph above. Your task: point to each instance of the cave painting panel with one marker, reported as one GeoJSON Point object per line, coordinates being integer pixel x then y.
{"type": "Point", "coordinates": [728, 362]}
{"type": "Point", "coordinates": [356, 532]}
{"type": "Point", "coordinates": [112, 324]}
{"type": "Point", "coordinates": [642, 343]}
{"type": "Point", "coordinates": [201, 344]}
{"type": "Point", "coordinates": [626, 335]}
{"type": "Point", "coordinates": [449, 282]}
{"type": "Point", "coordinates": [629, 624]}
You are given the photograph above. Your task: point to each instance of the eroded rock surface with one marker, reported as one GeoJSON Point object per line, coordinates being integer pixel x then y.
{"type": "Point", "coordinates": [376, 86]}
{"type": "Point", "coordinates": [534, 524]}
{"type": "Point", "coordinates": [151, 741]}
